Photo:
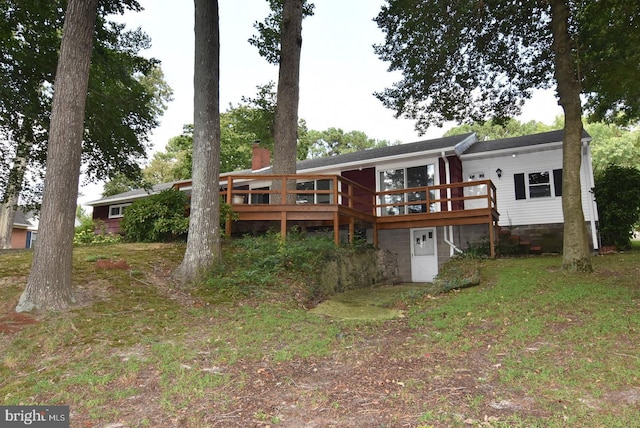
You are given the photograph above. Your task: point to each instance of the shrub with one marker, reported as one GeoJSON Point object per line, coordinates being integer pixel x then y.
{"type": "Point", "coordinates": [459, 272]}
{"type": "Point", "coordinates": [255, 262]}
{"type": "Point", "coordinates": [91, 232]}
{"type": "Point", "coordinates": [163, 217]}
{"type": "Point", "coordinates": [157, 218]}
{"type": "Point", "coordinates": [617, 192]}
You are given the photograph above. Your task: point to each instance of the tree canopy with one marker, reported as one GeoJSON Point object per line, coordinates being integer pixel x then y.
{"type": "Point", "coordinates": [252, 120]}
{"type": "Point", "coordinates": [238, 133]}
{"type": "Point", "coordinates": [269, 32]}
{"type": "Point", "coordinates": [613, 145]}
{"type": "Point", "coordinates": [475, 61]}
{"type": "Point", "coordinates": [495, 130]}
{"type": "Point", "coordinates": [334, 141]}
{"type": "Point", "coordinates": [126, 94]}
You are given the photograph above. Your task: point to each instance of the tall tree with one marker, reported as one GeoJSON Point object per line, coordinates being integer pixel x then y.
{"type": "Point", "coordinates": [49, 283]}
{"type": "Point", "coordinates": [478, 60]}
{"type": "Point", "coordinates": [203, 241]}
{"type": "Point", "coordinates": [285, 130]}
{"type": "Point", "coordinates": [575, 244]}
{"type": "Point", "coordinates": [280, 41]}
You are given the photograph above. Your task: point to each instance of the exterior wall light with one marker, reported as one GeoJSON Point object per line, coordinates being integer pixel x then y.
{"type": "Point", "coordinates": [499, 172]}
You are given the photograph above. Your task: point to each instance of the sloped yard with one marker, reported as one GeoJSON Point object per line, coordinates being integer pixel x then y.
{"type": "Point", "coordinates": [529, 346]}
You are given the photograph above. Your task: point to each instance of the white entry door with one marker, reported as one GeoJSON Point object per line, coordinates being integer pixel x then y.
{"type": "Point", "coordinates": [424, 255]}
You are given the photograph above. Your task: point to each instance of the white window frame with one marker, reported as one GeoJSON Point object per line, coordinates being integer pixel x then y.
{"type": "Point", "coordinates": [323, 198]}
{"type": "Point", "coordinates": [405, 166]}
{"type": "Point", "coordinates": [550, 184]}
{"type": "Point", "coordinates": [120, 207]}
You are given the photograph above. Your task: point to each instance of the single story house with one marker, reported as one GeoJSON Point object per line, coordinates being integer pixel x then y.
{"type": "Point", "coordinates": [423, 201]}
{"type": "Point", "coordinates": [25, 230]}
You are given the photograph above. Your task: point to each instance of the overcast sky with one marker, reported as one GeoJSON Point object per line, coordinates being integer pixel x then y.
{"type": "Point", "coordinates": [338, 76]}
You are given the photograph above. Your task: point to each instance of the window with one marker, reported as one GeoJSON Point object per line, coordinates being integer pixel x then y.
{"type": "Point", "coordinates": [392, 179]}
{"type": "Point", "coordinates": [476, 176]}
{"type": "Point", "coordinates": [117, 211]}
{"type": "Point", "coordinates": [477, 190]}
{"type": "Point", "coordinates": [313, 197]}
{"type": "Point", "coordinates": [538, 184]}
{"type": "Point", "coordinates": [407, 178]}
{"type": "Point", "coordinates": [260, 198]}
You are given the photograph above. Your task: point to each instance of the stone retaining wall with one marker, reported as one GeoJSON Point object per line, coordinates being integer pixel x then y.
{"type": "Point", "coordinates": [356, 270]}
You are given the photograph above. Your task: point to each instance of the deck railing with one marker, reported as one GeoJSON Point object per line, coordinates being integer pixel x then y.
{"type": "Point", "coordinates": [299, 189]}
{"type": "Point", "coordinates": [322, 189]}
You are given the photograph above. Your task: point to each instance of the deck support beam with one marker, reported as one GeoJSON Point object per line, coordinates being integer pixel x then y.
{"type": "Point", "coordinates": [283, 225]}
{"type": "Point", "coordinates": [492, 238]}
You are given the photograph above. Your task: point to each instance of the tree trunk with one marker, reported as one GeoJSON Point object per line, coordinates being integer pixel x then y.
{"type": "Point", "coordinates": [49, 283]}
{"type": "Point", "coordinates": [7, 216]}
{"type": "Point", "coordinates": [286, 121]}
{"type": "Point", "coordinates": [203, 242]}
{"type": "Point", "coordinates": [14, 187]}
{"type": "Point", "coordinates": [576, 255]}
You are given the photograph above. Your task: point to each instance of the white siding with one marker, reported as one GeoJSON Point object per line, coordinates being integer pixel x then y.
{"type": "Point", "coordinates": [528, 211]}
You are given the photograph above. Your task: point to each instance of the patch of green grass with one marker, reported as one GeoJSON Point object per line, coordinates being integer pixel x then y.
{"type": "Point", "coordinates": [551, 334]}
{"type": "Point", "coordinates": [560, 341]}
{"type": "Point", "coordinates": [15, 263]}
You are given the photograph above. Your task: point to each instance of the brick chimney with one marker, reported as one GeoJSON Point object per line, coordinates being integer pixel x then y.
{"type": "Point", "coordinates": [260, 157]}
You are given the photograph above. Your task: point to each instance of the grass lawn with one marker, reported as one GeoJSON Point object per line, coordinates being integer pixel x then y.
{"type": "Point", "coordinates": [530, 346]}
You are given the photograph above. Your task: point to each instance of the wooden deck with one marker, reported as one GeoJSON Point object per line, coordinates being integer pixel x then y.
{"type": "Point", "coordinates": [334, 201]}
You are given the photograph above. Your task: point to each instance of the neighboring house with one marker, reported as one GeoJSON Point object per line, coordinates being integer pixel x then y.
{"type": "Point", "coordinates": [25, 230]}
{"type": "Point", "coordinates": [423, 201]}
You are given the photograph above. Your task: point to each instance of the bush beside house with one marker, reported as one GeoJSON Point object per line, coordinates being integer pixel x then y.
{"type": "Point", "coordinates": [617, 193]}
{"type": "Point", "coordinates": [158, 218]}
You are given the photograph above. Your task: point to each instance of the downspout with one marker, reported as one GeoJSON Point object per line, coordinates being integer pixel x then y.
{"type": "Point", "coordinates": [592, 210]}
{"type": "Point", "coordinates": [448, 240]}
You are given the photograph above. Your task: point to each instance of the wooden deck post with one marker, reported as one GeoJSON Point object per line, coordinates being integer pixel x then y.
{"type": "Point", "coordinates": [283, 225]}
{"type": "Point", "coordinates": [492, 237]}
{"type": "Point", "coordinates": [227, 226]}
{"type": "Point", "coordinates": [375, 235]}
{"type": "Point", "coordinates": [352, 229]}
{"type": "Point", "coordinates": [336, 228]}
{"type": "Point", "coordinates": [229, 189]}
{"type": "Point", "coordinates": [493, 225]}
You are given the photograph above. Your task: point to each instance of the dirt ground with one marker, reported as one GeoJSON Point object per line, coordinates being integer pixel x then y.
{"type": "Point", "coordinates": [381, 378]}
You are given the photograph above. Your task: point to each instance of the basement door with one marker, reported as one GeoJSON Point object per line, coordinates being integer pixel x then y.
{"type": "Point", "coordinates": [424, 255]}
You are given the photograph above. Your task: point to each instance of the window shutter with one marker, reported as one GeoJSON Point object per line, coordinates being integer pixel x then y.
{"type": "Point", "coordinates": [557, 181]}
{"type": "Point", "coordinates": [518, 181]}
